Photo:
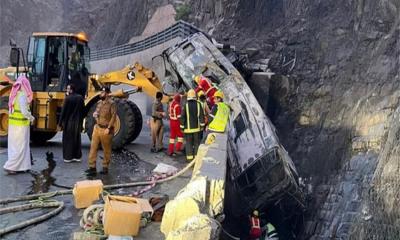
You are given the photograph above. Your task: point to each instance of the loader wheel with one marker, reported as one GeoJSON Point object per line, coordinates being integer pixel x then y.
{"type": "Point", "coordinates": [138, 121]}
{"type": "Point", "coordinates": [3, 121]}
{"type": "Point", "coordinates": [40, 137]}
{"type": "Point", "coordinates": [124, 127]}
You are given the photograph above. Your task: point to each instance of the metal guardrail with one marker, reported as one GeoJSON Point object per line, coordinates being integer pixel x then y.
{"type": "Point", "coordinates": [180, 29]}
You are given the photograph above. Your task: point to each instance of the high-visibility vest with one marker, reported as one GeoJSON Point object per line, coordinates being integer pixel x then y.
{"type": "Point", "coordinates": [218, 124]}
{"type": "Point", "coordinates": [174, 111]}
{"type": "Point", "coordinates": [255, 223]}
{"type": "Point", "coordinates": [197, 124]}
{"type": "Point", "coordinates": [16, 118]}
{"type": "Point", "coordinates": [255, 229]}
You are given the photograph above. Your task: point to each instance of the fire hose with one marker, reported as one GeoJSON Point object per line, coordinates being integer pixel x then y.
{"type": "Point", "coordinates": [41, 200]}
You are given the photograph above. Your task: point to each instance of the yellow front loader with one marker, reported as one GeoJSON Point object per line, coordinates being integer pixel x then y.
{"type": "Point", "coordinates": [54, 60]}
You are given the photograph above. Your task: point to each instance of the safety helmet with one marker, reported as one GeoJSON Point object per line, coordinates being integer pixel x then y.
{"type": "Point", "coordinates": [219, 94]}
{"type": "Point", "coordinates": [255, 213]}
{"type": "Point", "coordinates": [177, 97]}
{"type": "Point", "coordinates": [191, 94]}
{"type": "Point", "coordinates": [200, 93]}
{"type": "Point", "coordinates": [197, 78]}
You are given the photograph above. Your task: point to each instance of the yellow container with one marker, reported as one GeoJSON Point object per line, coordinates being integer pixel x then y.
{"type": "Point", "coordinates": [86, 192]}
{"type": "Point", "coordinates": [122, 215]}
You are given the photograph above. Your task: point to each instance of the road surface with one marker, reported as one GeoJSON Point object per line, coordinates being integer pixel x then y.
{"type": "Point", "coordinates": [56, 175]}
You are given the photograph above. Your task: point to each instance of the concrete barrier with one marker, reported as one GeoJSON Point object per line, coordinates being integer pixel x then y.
{"type": "Point", "coordinates": [191, 215]}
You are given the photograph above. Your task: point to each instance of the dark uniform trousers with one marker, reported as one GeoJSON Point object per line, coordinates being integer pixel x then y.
{"type": "Point", "coordinates": [192, 144]}
{"type": "Point", "coordinates": [192, 123]}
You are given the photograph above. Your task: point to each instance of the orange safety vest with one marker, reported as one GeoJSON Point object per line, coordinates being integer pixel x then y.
{"type": "Point", "coordinates": [255, 229]}
{"type": "Point", "coordinates": [255, 223]}
{"type": "Point", "coordinates": [174, 111]}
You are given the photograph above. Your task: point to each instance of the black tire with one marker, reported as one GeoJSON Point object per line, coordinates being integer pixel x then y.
{"type": "Point", "coordinates": [89, 121]}
{"type": "Point", "coordinates": [4, 108]}
{"type": "Point", "coordinates": [138, 121]}
{"type": "Point", "coordinates": [40, 137]}
{"type": "Point", "coordinates": [126, 115]}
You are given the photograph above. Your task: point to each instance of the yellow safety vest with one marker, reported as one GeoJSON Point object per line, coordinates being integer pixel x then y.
{"type": "Point", "coordinates": [17, 118]}
{"type": "Point", "coordinates": [218, 124]}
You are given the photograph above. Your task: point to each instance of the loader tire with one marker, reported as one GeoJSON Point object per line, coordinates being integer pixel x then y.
{"type": "Point", "coordinates": [124, 126]}
{"type": "Point", "coordinates": [138, 121]}
{"type": "Point", "coordinates": [3, 121]}
{"type": "Point", "coordinates": [40, 137]}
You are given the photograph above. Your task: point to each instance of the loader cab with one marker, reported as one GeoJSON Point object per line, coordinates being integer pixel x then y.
{"type": "Point", "coordinates": [57, 59]}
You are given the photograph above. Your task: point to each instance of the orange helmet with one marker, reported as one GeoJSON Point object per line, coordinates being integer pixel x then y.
{"type": "Point", "coordinates": [191, 94]}
{"type": "Point", "coordinates": [200, 93]}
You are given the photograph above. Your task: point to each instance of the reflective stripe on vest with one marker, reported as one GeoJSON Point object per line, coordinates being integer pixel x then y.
{"type": "Point", "coordinates": [218, 124]}
{"type": "Point", "coordinates": [17, 118]}
{"type": "Point", "coordinates": [211, 88]}
{"type": "Point", "coordinates": [188, 129]}
{"type": "Point", "coordinates": [255, 223]}
{"type": "Point", "coordinates": [172, 112]}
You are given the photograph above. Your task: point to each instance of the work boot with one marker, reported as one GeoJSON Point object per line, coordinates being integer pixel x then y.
{"type": "Point", "coordinates": [153, 149]}
{"type": "Point", "coordinates": [179, 153]}
{"type": "Point", "coordinates": [91, 171]}
{"type": "Point", "coordinates": [104, 171]}
{"type": "Point", "coordinates": [160, 149]}
{"type": "Point", "coordinates": [171, 154]}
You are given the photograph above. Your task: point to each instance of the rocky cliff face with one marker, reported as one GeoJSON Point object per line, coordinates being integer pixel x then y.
{"type": "Point", "coordinates": [334, 102]}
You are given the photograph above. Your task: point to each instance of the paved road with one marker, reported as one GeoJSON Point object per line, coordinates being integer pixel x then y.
{"type": "Point", "coordinates": [51, 176]}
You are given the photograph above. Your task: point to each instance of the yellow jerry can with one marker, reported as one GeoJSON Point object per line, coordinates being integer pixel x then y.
{"type": "Point", "coordinates": [86, 192]}
{"type": "Point", "coordinates": [122, 215]}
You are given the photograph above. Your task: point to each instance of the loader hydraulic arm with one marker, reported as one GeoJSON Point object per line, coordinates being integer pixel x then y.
{"type": "Point", "coordinates": [144, 79]}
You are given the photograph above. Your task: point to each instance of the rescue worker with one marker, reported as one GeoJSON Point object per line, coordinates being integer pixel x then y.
{"type": "Point", "coordinates": [174, 124]}
{"type": "Point", "coordinates": [270, 232]}
{"type": "Point", "coordinates": [206, 110]}
{"type": "Point", "coordinates": [203, 100]}
{"type": "Point", "coordinates": [192, 123]}
{"type": "Point", "coordinates": [156, 123]}
{"type": "Point", "coordinates": [19, 157]}
{"type": "Point", "coordinates": [205, 84]}
{"type": "Point", "coordinates": [255, 228]}
{"type": "Point", "coordinates": [103, 131]}
{"type": "Point", "coordinates": [219, 114]}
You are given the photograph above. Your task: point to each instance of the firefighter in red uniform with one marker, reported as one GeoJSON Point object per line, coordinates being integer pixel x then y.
{"type": "Point", "coordinates": [255, 228]}
{"type": "Point", "coordinates": [205, 84]}
{"type": "Point", "coordinates": [175, 131]}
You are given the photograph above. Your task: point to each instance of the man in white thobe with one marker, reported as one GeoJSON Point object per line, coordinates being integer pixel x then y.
{"type": "Point", "coordinates": [19, 120]}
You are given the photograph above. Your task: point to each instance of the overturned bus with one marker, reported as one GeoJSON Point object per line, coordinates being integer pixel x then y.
{"type": "Point", "coordinates": [260, 169]}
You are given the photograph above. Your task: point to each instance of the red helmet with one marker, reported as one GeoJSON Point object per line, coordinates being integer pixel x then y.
{"type": "Point", "coordinates": [177, 97]}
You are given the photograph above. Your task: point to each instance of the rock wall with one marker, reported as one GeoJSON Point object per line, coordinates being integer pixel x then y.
{"type": "Point", "coordinates": [339, 65]}
{"type": "Point", "coordinates": [334, 102]}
